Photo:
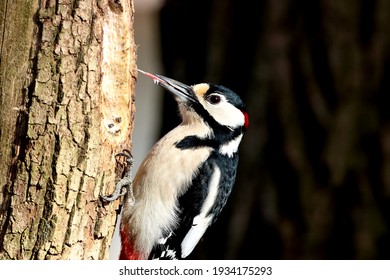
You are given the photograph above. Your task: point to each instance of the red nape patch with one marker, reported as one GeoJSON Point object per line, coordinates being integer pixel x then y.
{"type": "Point", "coordinates": [246, 118]}
{"type": "Point", "coordinates": [128, 251]}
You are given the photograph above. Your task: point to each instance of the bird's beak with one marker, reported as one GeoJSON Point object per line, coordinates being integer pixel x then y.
{"type": "Point", "coordinates": [182, 92]}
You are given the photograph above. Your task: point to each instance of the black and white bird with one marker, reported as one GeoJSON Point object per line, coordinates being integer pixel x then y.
{"type": "Point", "coordinates": [184, 182]}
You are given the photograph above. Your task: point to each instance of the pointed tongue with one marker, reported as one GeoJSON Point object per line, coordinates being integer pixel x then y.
{"type": "Point", "coordinates": [154, 77]}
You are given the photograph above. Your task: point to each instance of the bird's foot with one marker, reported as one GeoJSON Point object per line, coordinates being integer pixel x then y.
{"type": "Point", "coordinates": [124, 186]}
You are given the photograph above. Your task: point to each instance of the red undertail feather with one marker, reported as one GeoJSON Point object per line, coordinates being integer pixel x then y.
{"type": "Point", "coordinates": [128, 251]}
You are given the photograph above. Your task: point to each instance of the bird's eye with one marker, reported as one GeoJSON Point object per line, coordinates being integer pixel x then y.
{"type": "Point", "coordinates": [214, 99]}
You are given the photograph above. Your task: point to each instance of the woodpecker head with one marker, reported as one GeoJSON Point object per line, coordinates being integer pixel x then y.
{"type": "Point", "coordinates": [216, 105]}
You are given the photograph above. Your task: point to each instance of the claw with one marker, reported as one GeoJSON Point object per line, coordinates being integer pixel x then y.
{"type": "Point", "coordinates": [125, 153]}
{"type": "Point", "coordinates": [124, 186]}
{"type": "Point", "coordinates": [119, 191]}
{"type": "Point", "coordinates": [129, 157]}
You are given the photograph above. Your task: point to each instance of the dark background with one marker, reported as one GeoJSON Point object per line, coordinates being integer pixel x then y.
{"type": "Point", "coordinates": [314, 174]}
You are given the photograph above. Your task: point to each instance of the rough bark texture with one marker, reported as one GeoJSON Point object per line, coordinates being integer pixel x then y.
{"type": "Point", "coordinates": [66, 87]}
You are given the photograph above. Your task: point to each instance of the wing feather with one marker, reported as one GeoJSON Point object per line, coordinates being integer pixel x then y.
{"type": "Point", "coordinates": [198, 208]}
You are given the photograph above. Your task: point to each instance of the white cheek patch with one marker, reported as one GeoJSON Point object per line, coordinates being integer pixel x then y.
{"type": "Point", "coordinates": [226, 114]}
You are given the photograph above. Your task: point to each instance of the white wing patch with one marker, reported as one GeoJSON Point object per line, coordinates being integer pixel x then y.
{"type": "Point", "coordinates": [201, 222]}
{"type": "Point", "coordinates": [231, 147]}
{"type": "Point", "coordinates": [199, 227]}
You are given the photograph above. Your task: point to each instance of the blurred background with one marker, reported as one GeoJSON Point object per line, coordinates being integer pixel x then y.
{"type": "Point", "coordinates": [314, 174]}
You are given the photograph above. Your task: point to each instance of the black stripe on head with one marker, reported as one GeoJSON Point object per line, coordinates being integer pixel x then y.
{"type": "Point", "coordinates": [230, 95]}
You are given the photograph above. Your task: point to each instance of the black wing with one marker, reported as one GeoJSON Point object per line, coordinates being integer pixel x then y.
{"type": "Point", "coordinates": [199, 207]}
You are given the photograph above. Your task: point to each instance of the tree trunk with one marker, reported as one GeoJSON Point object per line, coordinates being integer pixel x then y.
{"type": "Point", "coordinates": [67, 89]}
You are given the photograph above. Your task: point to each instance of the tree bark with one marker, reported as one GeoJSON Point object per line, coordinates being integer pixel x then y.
{"type": "Point", "coordinates": [67, 75]}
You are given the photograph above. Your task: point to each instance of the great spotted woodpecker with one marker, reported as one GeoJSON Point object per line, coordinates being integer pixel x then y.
{"type": "Point", "coordinates": [185, 180]}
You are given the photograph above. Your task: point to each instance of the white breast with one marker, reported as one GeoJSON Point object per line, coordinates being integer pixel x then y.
{"type": "Point", "coordinates": [162, 177]}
